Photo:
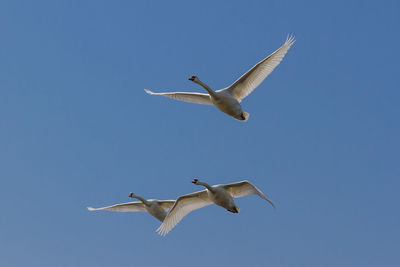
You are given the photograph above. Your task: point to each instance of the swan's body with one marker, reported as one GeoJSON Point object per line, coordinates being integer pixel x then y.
{"type": "Point", "coordinates": [228, 99]}
{"type": "Point", "coordinates": [222, 195]}
{"type": "Point", "coordinates": [157, 208]}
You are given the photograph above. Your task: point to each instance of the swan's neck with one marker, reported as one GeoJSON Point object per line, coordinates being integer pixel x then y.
{"type": "Point", "coordinates": [205, 185]}
{"type": "Point", "coordinates": [205, 86]}
{"type": "Point", "coordinates": [144, 201]}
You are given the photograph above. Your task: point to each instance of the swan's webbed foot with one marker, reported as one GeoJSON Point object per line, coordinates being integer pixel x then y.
{"type": "Point", "coordinates": [242, 117]}
{"type": "Point", "coordinates": [234, 209]}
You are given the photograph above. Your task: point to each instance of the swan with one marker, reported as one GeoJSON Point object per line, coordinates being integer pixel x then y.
{"type": "Point", "coordinates": [228, 99]}
{"type": "Point", "coordinates": [156, 208]}
{"type": "Point", "coordinates": [217, 194]}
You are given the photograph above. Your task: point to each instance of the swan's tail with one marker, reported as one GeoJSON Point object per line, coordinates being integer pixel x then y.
{"type": "Point", "coordinates": [245, 115]}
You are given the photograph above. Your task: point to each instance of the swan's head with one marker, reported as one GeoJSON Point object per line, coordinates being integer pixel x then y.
{"type": "Point", "coordinates": [131, 195]}
{"type": "Point", "coordinates": [195, 181]}
{"type": "Point", "coordinates": [194, 79]}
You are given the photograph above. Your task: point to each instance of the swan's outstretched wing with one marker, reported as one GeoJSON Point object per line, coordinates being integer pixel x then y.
{"type": "Point", "coordinates": [243, 86]}
{"type": "Point", "coordinates": [244, 188]}
{"type": "Point", "coordinates": [166, 204]}
{"type": "Point", "coordinates": [196, 98]}
{"type": "Point", "coordinates": [123, 207]}
{"type": "Point", "coordinates": [183, 206]}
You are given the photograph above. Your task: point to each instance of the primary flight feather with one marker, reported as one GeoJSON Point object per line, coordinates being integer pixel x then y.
{"type": "Point", "coordinates": [156, 208]}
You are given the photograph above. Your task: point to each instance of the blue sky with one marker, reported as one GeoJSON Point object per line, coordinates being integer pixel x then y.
{"type": "Point", "coordinates": [77, 130]}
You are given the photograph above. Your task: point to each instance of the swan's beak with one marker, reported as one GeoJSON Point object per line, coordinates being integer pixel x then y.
{"type": "Point", "coordinates": [194, 181]}
{"type": "Point", "coordinates": [192, 78]}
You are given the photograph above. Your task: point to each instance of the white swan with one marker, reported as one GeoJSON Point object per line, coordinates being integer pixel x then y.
{"type": "Point", "coordinates": [228, 99]}
{"type": "Point", "coordinates": [157, 208]}
{"type": "Point", "coordinates": [218, 194]}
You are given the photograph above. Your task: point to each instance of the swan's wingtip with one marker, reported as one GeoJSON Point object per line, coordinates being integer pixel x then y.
{"type": "Point", "coordinates": [160, 231]}
{"type": "Point", "coordinates": [90, 208]}
{"type": "Point", "coordinates": [148, 91]}
{"type": "Point", "coordinates": [270, 202]}
{"type": "Point", "coordinates": [290, 39]}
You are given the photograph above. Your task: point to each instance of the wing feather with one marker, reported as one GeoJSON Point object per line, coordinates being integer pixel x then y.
{"type": "Point", "coordinates": [244, 188]}
{"type": "Point", "coordinates": [197, 98]}
{"type": "Point", "coordinates": [183, 206]}
{"type": "Point", "coordinates": [123, 207]}
{"type": "Point", "coordinates": [243, 86]}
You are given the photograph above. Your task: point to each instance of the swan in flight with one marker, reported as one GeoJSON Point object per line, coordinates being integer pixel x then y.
{"type": "Point", "coordinates": [218, 194]}
{"type": "Point", "coordinates": [228, 99]}
{"type": "Point", "coordinates": [157, 208]}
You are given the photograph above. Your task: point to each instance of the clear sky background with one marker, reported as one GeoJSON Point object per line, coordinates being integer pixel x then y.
{"type": "Point", "coordinates": [77, 130]}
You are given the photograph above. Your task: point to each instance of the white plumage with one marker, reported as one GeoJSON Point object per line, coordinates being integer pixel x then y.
{"type": "Point", "coordinates": [228, 99]}
{"type": "Point", "coordinates": [218, 194]}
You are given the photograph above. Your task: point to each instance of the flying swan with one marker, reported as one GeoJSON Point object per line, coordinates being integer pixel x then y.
{"type": "Point", "coordinates": [217, 194]}
{"type": "Point", "coordinates": [156, 208]}
{"type": "Point", "coordinates": [228, 99]}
